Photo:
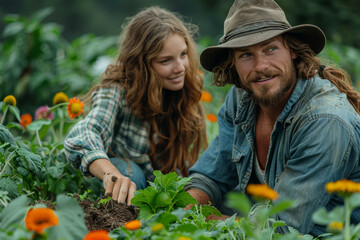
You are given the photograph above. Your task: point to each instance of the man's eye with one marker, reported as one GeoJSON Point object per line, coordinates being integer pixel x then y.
{"type": "Point", "coordinates": [245, 55]}
{"type": "Point", "coordinates": [271, 49]}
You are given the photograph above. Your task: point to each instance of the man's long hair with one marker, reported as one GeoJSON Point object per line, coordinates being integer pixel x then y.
{"type": "Point", "coordinates": [175, 117]}
{"type": "Point", "coordinates": [307, 65]}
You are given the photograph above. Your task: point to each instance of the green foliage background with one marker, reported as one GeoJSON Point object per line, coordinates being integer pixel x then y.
{"type": "Point", "coordinates": [66, 47]}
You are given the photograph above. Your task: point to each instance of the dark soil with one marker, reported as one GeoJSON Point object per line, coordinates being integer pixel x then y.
{"type": "Point", "coordinates": [107, 216]}
{"type": "Point", "coordinates": [103, 216]}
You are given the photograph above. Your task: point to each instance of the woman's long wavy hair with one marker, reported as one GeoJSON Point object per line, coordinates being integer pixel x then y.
{"type": "Point", "coordinates": [176, 117]}
{"type": "Point", "coordinates": [306, 64]}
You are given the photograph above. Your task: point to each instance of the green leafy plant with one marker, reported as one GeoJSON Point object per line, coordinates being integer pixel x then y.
{"type": "Point", "coordinates": [165, 193]}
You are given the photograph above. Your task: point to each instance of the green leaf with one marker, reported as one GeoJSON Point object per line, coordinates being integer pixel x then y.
{"type": "Point", "coordinates": [187, 227]}
{"type": "Point", "coordinates": [167, 218]}
{"type": "Point", "coordinates": [38, 124]}
{"type": "Point", "coordinates": [278, 224]}
{"type": "Point", "coordinates": [6, 136]}
{"type": "Point", "coordinates": [179, 185]}
{"type": "Point", "coordinates": [146, 212]}
{"type": "Point", "coordinates": [71, 220]}
{"type": "Point", "coordinates": [281, 206]}
{"type": "Point", "coordinates": [354, 201]}
{"type": "Point", "coordinates": [144, 197]}
{"type": "Point", "coordinates": [238, 201]}
{"type": "Point", "coordinates": [207, 210]}
{"type": "Point", "coordinates": [14, 213]}
{"type": "Point", "coordinates": [13, 29]}
{"type": "Point", "coordinates": [182, 199]}
{"type": "Point", "coordinates": [14, 125]}
{"type": "Point", "coordinates": [14, 110]}
{"type": "Point", "coordinates": [165, 181]}
{"type": "Point", "coordinates": [322, 217]}
{"type": "Point", "coordinates": [34, 161]}
{"type": "Point", "coordinates": [56, 171]}
{"type": "Point", "coordinates": [42, 13]}
{"type": "Point", "coordinates": [162, 199]}
{"type": "Point", "coordinates": [8, 184]}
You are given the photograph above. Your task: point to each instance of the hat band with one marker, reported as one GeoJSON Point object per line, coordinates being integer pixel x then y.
{"type": "Point", "coordinates": [253, 28]}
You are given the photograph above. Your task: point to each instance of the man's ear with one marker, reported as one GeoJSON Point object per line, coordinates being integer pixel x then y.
{"type": "Point", "coordinates": [293, 55]}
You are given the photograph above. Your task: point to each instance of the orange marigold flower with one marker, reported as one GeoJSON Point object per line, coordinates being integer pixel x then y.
{"type": "Point", "coordinates": [211, 117]}
{"type": "Point", "coordinates": [205, 96]}
{"type": "Point", "coordinates": [343, 186]}
{"type": "Point", "coordinates": [183, 238]}
{"type": "Point", "coordinates": [133, 225]}
{"type": "Point", "coordinates": [37, 219]}
{"type": "Point", "coordinates": [97, 235]}
{"type": "Point", "coordinates": [335, 227]}
{"type": "Point", "coordinates": [25, 120]}
{"type": "Point", "coordinates": [11, 100]}
{"type": "Point", "coordinates": [75, 107]}
{"type": "Point", "coordinates": [261, 190]}
{"type": "Point", "coordinates": [157, 227]}
{"type": "Point", "coordinates": [60, 97]}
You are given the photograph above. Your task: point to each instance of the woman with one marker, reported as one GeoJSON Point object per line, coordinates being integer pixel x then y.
{"type": "Point", "coordinates": [145, 113]}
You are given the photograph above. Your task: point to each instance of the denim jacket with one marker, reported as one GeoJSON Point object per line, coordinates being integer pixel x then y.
{"type": "Point", "coordinates": [315, 140]}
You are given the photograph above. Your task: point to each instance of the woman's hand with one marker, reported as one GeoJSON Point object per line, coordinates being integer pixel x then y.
{"type": "Point", "coordinates": [121, 188]}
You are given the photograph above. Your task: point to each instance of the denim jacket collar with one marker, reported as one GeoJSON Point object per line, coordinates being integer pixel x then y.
{"type": "Point", "coordinates": [246, 109]}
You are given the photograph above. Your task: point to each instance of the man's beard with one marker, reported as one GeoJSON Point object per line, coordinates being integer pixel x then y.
{"type": "Point", "coordinates": [274, 99]}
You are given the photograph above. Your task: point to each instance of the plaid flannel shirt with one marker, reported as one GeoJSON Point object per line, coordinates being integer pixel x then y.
{"type": "Point", "coordinates": [109, 124]}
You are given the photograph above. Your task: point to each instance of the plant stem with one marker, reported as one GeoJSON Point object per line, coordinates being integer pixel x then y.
{"type": "Point", "coordinates": [7, 162]}
{"type": "Point", "coordinates": [54, 134]}
{"type": "Point", "coordinates": [58, 105]}
{"type": "Point", "coordinates": [347, 218]}
{"type": "Point", "coordinates": [40, 144]}
{"type": "Point", "coordinates": [61, 128]}
{"type": "Point", "coordinates": [4, 115]}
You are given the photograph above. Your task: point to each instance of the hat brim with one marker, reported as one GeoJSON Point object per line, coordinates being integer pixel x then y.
{"type": "Point", "coordinates": [307, 33]}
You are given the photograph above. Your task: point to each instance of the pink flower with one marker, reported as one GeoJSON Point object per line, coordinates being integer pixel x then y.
{"type": "Point", "coordinates": [43, 113]}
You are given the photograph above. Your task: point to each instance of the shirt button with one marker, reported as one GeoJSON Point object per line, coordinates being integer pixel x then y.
{"type": "Point", "coordinates": [247, 174]}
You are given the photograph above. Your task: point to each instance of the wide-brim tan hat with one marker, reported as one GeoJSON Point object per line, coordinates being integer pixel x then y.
{"type": "Point", "coordinates": [250, 22]}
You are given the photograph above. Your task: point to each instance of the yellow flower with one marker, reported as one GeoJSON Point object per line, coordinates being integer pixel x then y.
{"type": "Point", "coordinates": [261, 190]}
{"type": "Point", "coordinates": [205, 96]}
{"type": "Point", "coordinates": [343, 186]}
{"type": "Point", "coordinates": [37, 219]}
{"type": "Point", "coordinates": [133, 225]}
{"type": "Point", "coordinates": [335, 227]}
{"type": "Point", "coordinates": [97, 235]}
{"type": "Point", "coordinates": [211, 117]}
{"type": "Point", "coordinates": [11, 100]}
{"type": "Point", "coordinates": [75, 107]}
{"type": "Point", "coordinates": [60, 97]}
{"type": "Point", "coordinates": [183, 238]}
{"type": "Point", "coordinates": [157, 227]}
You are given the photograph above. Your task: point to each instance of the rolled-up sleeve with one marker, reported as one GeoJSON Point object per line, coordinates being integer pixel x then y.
{"type": "Point", "coordinates": [90, 138]}
{"type": "Point", "coordinates": [214, 172]}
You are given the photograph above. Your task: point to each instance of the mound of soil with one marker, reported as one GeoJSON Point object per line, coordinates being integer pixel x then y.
{"type": "Point", "coordinates": [103, 215]}
{"type": "Point", "coordinates": [106, 216]}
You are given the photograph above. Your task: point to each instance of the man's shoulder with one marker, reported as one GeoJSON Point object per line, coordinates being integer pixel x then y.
{"type": "Point", "coordinates": [323, 98]}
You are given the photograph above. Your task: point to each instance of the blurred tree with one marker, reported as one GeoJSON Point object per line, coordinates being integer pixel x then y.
{"type": "Point", "coordinates": [338, 18]}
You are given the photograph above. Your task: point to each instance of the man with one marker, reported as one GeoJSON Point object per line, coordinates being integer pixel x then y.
{"type": "Point", "coordinates": [288, 122]}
